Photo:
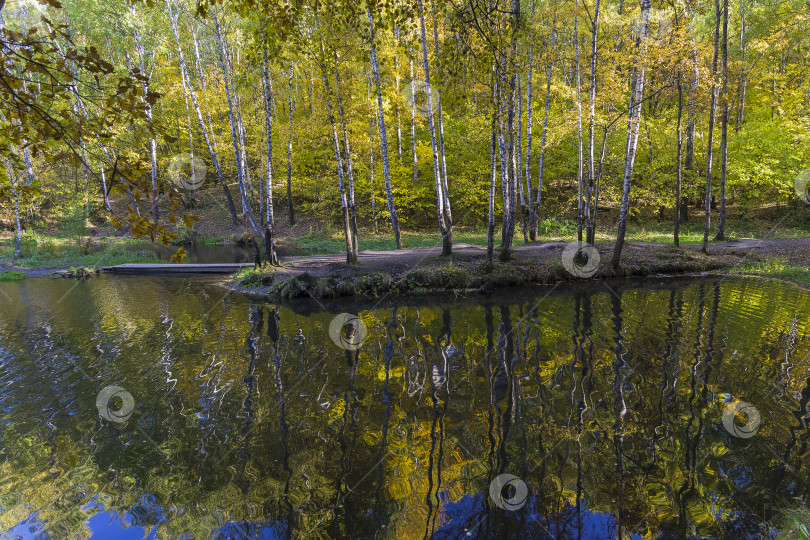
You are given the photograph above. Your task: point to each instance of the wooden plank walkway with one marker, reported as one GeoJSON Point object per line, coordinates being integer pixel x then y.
{"type": "Point", "coordinates": [176, 269]}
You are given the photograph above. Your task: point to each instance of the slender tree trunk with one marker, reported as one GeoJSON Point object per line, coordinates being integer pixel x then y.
{"type": "Point", "coordinates": [741, 87]}
{"type": "Point", "coordinates": [389, 195]}
{"type": "Point", "coordinates": [240, 124]}
{"type": "Point", "coordinates": [598, 183]}
{"type": "Point", "coordinates": [543, 133]}
{"type": "Point", "coordinates": [351, 255]}
{"type": "Point", "coordinates": [448, 217]}
{"type": "Point", "coordinates": [519, 168]}
{"type": "Point", "coordinates": [16, 199]}
{"type": "Point", "coordinates": [689, 158]}
{"type": "Point", "coordinates": [636, 98]}
{"type": "Point", "coordinates": [347, 154]}
{"type": "Point", "coordinates": [188, 123]}
{"type": "Point", "coordinates": [290, 209]}
{"type": "Point", "coordinates": [492, 167]}
{"type": "Point", "coordinates": [710, 142]}
{"type": "Point", "coordinates": [79, 106]}
{"type": "Point", "coordinates": [152, 141]}
{"type": "Point", "coordinates": [413, 126]}
{"type": "Point", "coordinates": [528, 174]}
{"type": "Point", "coordinates": [371, 171]}
{"type": "Point", "coordinates": [721, 226]}
{"type": "Point", "coordinates": [446, 231]}
{"type": "Point", "coordinates": [201, 75]}
{"type": "Point", "coordinates": [509, 79]}
{"type": "Point", "coordinates": [502, 150]}
{"type": "Point", "coordinates": [678, 164]}
{"type": "Point", "coordinates": [578, 83]}
{"type": "Point", "coordinates": [590, 215]}
{"type": "Point", "coordinates": [240, 174]}
{"type": "Point", "coordinates": [397, 102]}
{"type": "Point", "coordinates": [270, 221]}
{"type": "Point", "coordinates": [212, 152]}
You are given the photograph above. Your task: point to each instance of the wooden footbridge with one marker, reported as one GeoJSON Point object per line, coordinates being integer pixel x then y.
{"type": "Point", "coordinates": [143, 269]}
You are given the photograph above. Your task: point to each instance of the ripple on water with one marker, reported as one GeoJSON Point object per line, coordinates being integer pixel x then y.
{"type": "Point", "coordinates": [248, 419]}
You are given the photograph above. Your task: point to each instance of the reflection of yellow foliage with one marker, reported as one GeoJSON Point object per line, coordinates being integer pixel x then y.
{"type": "Point", "coordinates": [177, 357]}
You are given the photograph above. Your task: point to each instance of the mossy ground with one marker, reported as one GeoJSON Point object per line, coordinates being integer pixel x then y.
{"type": "Point", "coordinates": [777, 268]}
{"type": "Point", "coordinates": [477, 274]}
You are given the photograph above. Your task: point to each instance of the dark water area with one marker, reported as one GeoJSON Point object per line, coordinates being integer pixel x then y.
{"type": "Point", "coordinates": [153, 407]}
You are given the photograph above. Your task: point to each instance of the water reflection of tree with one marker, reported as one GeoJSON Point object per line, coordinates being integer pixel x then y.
{"type": "Point", "coordinates": [632, 431]}
{"type": "Point", "coordinates": [440, 399]}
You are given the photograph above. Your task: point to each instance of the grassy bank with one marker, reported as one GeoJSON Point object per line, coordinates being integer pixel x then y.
{"type": "Point", "coordinates": [473, 274]}
{"type": "Point", "coordinates": [52, 253]}
{"type": "Point", "coordinates": [72, 248]}
{"type": "Point", "coordinates": [325, 240]}
{"type": "Point", "coordinates": [777, 268]}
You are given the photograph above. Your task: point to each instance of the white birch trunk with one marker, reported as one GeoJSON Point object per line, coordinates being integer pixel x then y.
{"type": "Point", "coordinates": [248, 212]}
{"type": "Point", "coordinates": [710, 136]}
{"type": "Point", "coordinates": [543, 133]}
{"type": "Point", "coordinates": [212, 152]}
{"type": "Point", "coordinates": [447, 239]}
{"type": "Point", "coordinates": [636, 98]}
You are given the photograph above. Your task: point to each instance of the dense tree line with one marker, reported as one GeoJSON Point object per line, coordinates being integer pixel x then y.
{"type": "Point", "coordinates": [650, 104]}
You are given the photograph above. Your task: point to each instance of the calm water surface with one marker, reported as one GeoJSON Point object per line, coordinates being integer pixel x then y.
{"type": "Point", "coordinates": [606, 400]}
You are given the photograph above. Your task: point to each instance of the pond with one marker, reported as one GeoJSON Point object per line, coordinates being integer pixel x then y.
{"type": "Point", "coordinates": [168, 408]}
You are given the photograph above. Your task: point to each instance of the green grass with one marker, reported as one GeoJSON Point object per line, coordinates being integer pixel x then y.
{"type": "Point", "coordinates": [777, 269]}
{"type": "Point", "coordinates": [795, 525]}
{"type": "Point", "coordinates": [82, 255]}
{"type": "Point", "coordinates": [551, 230]}
{"type": "Point", "coordinates": [10, 275]}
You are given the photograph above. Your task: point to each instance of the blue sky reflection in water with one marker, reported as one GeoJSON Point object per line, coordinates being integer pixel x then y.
{"type": "Point", "coordinates": [607, 400]}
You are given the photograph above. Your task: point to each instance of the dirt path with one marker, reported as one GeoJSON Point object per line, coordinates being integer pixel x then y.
{"type": "Point", "coordinates": [794, 250]}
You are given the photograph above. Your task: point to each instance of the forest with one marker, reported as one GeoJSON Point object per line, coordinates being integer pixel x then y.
{"type": "Point", "coordinates": [347, 184]}
{"type": "Point", "coordinates": [384, 117]}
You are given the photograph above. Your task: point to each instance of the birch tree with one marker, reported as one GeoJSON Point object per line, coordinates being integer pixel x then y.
{"type": "Point", "coordinates": [710, 136]}
{"type": "Point", "coordinates": [240, 174]}
{"type": "Point", "coordinates": [208, 143]}
{"type": "Point", "coordinates": [290, 209]}
{"type": "Point", "coordinates": [270, 220]}
{"type": "Point", "coordinates": [444, 227]}
{"type": "Point", "coordinates": [590, 214]}
{"type": "Point", "coordinates": [389, 196]}
{"type": "Point", "coordinates": [636, 97]}
{"type": "Point", "coordinates": [721, 227]}
{"type": "Point", "coordinates": [351, 251]}
{"type": "Point", "coordinates": [543, 134]}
